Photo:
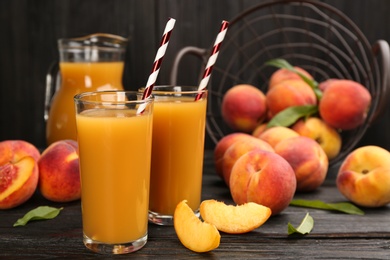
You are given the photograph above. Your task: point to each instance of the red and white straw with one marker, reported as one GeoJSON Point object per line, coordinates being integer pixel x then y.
{"type": "Point", "coordinates": [213, 58]}
{"type": "Point", "coordinates": [157, 61]}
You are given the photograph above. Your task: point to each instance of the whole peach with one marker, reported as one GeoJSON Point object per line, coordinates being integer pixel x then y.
{"type": "Point", "coordinates": [59, 176]}
{"type": "Point", "coordinates": [236, 150]}
{"type": "Point", "coordinates": [223, 144]}
{"type": "Point", "coordinates": [364, 176]}
{"type": "Point", "coordinates": [275, 134]}
{"type": "Point", "coordinates": [308, 160]}
{"type": "Point", "coordinates": [243, 107]}
{"type": "Point", "coordinates": [316, 129]}
{"type": "Point", "coordinates": [259, 129]}
{"type": "Point", "coordinates": [265, 178]}
{"type": "Point", "coordinates": [289, 93]}
{"type": "Point", "coordinates": [350, 99]}
{"type": "Point", "coordinates": [286, 74]}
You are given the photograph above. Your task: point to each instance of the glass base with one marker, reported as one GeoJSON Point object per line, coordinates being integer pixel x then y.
{"type": "Point", "coordinates": [164, 220]}
{"type": "Point", "coordinates": [123, 248]}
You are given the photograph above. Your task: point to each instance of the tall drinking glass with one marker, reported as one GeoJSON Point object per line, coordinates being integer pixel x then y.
{"type": "Point", "coordinates": [115, 141]}
{"type": "Point", "coordinates": [177, 150]}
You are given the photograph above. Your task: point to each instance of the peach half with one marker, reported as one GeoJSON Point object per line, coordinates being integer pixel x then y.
{"type": "Point", "coordinates": [234, 219]}
{"type": "Point", "coordinates": [18, 182]}
{"type": "Point", "coordinates": [194, 234]}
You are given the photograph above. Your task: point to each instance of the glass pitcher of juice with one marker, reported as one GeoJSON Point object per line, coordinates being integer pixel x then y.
{"type": "Point", "coordinates": [91, 63]}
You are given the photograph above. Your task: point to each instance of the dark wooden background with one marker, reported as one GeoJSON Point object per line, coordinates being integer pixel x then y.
{"type": "Point", "coordinates": [28, 45]}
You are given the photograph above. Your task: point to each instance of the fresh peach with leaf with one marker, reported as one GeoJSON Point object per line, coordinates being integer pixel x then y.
{"type": "Point", "coordinates": [244, 107]}
{"type": "Point", "coordinates": [283, 74]}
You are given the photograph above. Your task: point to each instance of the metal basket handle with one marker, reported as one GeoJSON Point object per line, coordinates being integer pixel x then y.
{"type": "Point", "coordinates": [198, 52]}
{"type": "Point", "coordinates": [381, 48]}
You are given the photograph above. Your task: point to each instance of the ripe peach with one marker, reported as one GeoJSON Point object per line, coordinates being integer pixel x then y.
{"type": "Point", "coordinates": [285, 74]}
{"type": "Point", "coordinates": [18, 182]}
{"type": "Point", "coordinates": [308, 160]}
{"type": "Point", "coordinates": [223, 144]}
{"type": "Point", "coordinates": [59, 176]}
{"type": "Point", "coordinates": [14, 150]}
{"type": "Point", "coordinates": [289, 93]}
{"type": "Point", "coordinates": [236, 150]}
{"type": "Point", "coordinates": [264, 178]}
{"type": "Point", "coordinates": [350, 99]}
{"type": "Point", "coordinates": [274, 135]}
{"type": "Point", "coordinates": [316, 129]}
{"type": "Point", "coordinates": [259, 129]}
{"type": "Point", "coordinates": [364, 176]}
{"type": "Point", "coordinates": [243, 107]}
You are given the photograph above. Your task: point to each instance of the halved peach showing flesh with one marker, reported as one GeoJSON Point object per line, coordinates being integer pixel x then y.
{"type": "Point", "coordinates": [194, 234]}
{"type": "Point", "coordinates": [234, 219]}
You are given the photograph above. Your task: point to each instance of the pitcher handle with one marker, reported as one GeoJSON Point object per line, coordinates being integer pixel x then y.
{"type": "Point", "coordinates": [381, 48]}
{"type": "Point", "coordinates": [199, 52]}
{"type": "Point", "coordinates": [52, 85]}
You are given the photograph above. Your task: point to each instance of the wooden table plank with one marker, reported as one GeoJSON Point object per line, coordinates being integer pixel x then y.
{"type": "Point", "coordinates": [335, 235]}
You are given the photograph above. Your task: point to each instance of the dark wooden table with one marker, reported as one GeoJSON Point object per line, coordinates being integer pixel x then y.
{"type": "Point", "coordinates": [335, 235]}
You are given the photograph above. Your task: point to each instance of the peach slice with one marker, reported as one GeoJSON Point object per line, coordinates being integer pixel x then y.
{"type": "Point", "coordinates": [18, 182]}
{"type": "Point", "coordinates": [194, 234]}
{"type": "Point", "coordinates": [234, 219]}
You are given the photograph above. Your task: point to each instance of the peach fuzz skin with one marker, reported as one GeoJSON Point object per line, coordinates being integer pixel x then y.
{"type": "Point", "coordinates": [59, 176]}
{"type": "Point", "coordinates": [294, 93]}
{"type": "Point", "coordinates": [308, 160]}
{"type": "Point", "coordinates": [223, 144]}
{"type": "Point", "coordinates": [350, 99]}
{"type": "Point", "coordinates": [364, 177]}
{"type": "Point", "coordinates": [264, 178]}
{"type": "Point", "coordinates": [236, 150]}
{"type": "Point", "coordinates": [316, 129]}
{"type": "Point", "coordinates": [243, 107]}
{"type": "Point", "coordinates": [274, 135]}
{"type": "Point", "coordinates": [285, 74]}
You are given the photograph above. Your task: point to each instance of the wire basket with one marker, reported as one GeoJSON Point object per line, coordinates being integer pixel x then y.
{"type": "Point", "coordinates": [309, 34]}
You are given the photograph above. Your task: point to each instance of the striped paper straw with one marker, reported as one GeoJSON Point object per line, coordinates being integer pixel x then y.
{"type": "Point", "coordinates": [157, 61]}
{"type": "Point", "coordinates": [213, 58]}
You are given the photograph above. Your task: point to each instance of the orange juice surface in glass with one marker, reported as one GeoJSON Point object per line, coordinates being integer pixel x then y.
{"type": "Point", "coordinates": [77, 78]}
{"type": "Point", "coordinates": [177, 154]}
{"type": "Point", "coordinates": [115, 172]}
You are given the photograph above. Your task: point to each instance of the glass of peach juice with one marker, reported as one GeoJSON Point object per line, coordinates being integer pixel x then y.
{"type": "Point", "coordinates": [114, 131]}
{"type": "Point", "coordinates": [177, 150]}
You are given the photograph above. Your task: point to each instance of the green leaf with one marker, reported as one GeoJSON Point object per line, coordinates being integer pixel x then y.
{"type": "Point", "coordinates": [344, 207]}
{"type": "Point", "coordinates": [40, 213]}
{"type": "Point", "coordinates": [290, 115]}
{"type": "Point", "coordinates": [304, 228]}
{"type": "Point", "coordinates": [283, 64]}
